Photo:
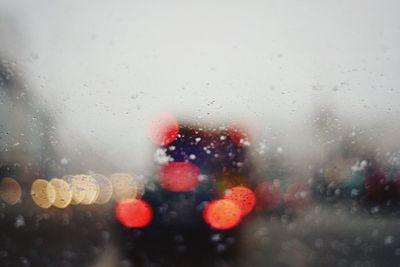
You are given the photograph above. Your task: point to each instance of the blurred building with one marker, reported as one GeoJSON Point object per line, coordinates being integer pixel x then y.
{"type": "Point", "coordinates": [27, 135]}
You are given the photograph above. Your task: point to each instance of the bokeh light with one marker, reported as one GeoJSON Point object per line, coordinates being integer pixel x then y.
{"type": "Point", "coordinates": [164, 129]}
{"type": "Point", "coordinates": [43, 193]}
{"type": "Point", "coordinates": [227, 181]}
{"type": "Point", "coordinates": [243, 197]}
{"type": "Point", "coordinates": [105, 188]}
{"type": "Point", "coordinates": [85, 189]}
{"type": "Point", "coordinates": [125, 186]}
{"type": "Point", "coordinates": [298, 195]}
{"type": "Point", "coordinates": [222, 214]}
{"type": "Point", "coordinates": [268, 195]}
{"type": "Point", "coordinates": [179, 176]}
{"type": "Point", "coordinates": [63, 193]}
{"type": "Point", "coordinates": [134, 213]}
{"type": "Point", "coordinates": [10, 191]}
{"type": "Point", "coordinates": [78, 194]}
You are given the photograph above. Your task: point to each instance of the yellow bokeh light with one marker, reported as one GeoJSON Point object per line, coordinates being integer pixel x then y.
{"type": "Point", "coordinates": [105, 188]}
{"type": "Point", "coordinates": [63, 193]}
{"type": "Point", "coordinates": [77, 192]}
{"type": "Point", "coordinates": [125, 186]}
{"type": "Point", "coordinates": [86, 188]}
{"type": "Point", "coordinates": [43, 193]}
{"type": "Point", "coordinates": [10, 191]}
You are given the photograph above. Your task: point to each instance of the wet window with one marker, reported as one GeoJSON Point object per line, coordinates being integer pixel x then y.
{"type": "Point", "coordinates": [199, 133]}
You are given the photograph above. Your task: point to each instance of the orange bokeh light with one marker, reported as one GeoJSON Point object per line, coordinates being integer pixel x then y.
{"type": "Point", "coordinates": [179, 176]}
{"type": "Point", "coordinates": [134, 213]}
{"type": "Point", "coordinates": [222, 214]}
{"type": "Point", "coordinates": [243, 197]}
{"type": "Point", "coordinates": [164, 129]}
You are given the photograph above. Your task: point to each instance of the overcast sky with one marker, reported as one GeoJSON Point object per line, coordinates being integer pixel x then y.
{"type": "Point", "coordinates": [105, 67]}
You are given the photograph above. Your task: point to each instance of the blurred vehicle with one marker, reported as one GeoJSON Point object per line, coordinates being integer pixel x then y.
{"type": "Point", "coordinates": [195, 167]}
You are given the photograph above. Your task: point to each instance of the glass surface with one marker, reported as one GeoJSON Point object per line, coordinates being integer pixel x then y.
{"type": "Point", "coordinates": [199, 133]}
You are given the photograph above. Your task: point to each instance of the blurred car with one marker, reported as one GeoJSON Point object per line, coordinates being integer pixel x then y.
{"type": "Point", "coordinates": [194, 168]}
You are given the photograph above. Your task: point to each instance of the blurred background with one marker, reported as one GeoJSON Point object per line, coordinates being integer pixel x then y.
{"type": "Point", "coordinates": [311, 88]}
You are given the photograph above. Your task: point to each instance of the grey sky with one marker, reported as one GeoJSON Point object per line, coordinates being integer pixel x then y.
{"type": "Point", "coordinates": [105, 67]}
